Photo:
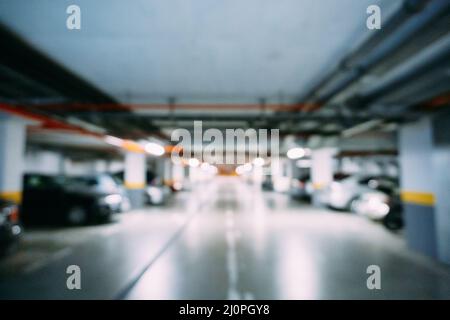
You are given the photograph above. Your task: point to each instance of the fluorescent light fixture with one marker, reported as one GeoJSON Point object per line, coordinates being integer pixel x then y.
{"type": "Point", "coordinates": [114, 141]}
{"type": "Point", "coordinates": [193, 162]}
{"type": "Point", "coordinates": [296, 153]}
{"type": "Point", "coordinates": [239, 170]}
{"type": "Point", "coordinates": [154, 149]}
{"type": "Point", "coordinates": [247, 167]}
{"type": "Point", "coordinates": [259, 162]}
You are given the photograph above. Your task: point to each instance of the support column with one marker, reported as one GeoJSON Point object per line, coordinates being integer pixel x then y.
{"type": "Point", "coordinates": [135, 178]}
{"type": "Point", "coordinates": [321, 171]}
{"type": "Point", "coordinates": [441, 162]}
{"type": "Point", "coordinates": [168, 174]}
{"type": "Point", "coordinates": [12, 156]}
{"type": "Point", "coordinates": [177, 175]}
{"type": "Point", "coordinates": [416, 172]}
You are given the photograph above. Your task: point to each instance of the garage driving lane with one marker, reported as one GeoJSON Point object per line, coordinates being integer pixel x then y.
{"type": "Point", "coordinates": [254, 245]}
{"type": "Point", "coordinates": [110, 256]}
{"type": "Point", "coordinates": [225, 240]}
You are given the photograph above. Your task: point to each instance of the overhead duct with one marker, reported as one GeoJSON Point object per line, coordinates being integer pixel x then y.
{"type": "Point", "coordinates": [398, 30]}
{"type": "Point", "coordinates": [422, 63]}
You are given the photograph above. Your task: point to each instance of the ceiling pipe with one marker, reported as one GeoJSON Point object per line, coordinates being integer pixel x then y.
{"type": "Point", "coordinates": [425, 61]}
{"type": "Point", "coordinates": [398, 30]}
{"type": "Point", "coordinates": [242, 117]}
{"type": "Point", "coordinates": [403, 34]}
{"type": "Point", "coordinates": [361, 128]}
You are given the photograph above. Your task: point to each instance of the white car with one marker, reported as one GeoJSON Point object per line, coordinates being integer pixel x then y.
{"type": "Point", "coordinates": [157, 194]}
{"type": "Point", "coordinates": [373, 204]}
{"type": "Point", "coordinates": [341, 194]}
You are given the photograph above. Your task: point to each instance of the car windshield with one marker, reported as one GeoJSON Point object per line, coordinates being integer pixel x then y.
{"type": "Point", "coordinates": [44, 182]}
{"type": "Point", "coordinates": [102, 182]}
{"type": "Point", "coordinates": [340, 176]}
{"type": "Point", "coordinates": [385, 184]}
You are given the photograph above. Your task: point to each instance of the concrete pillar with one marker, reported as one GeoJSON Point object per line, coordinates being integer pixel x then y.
{"type": "Point", "coordinates": [321, 171]}
{"type": "Point", "coordinates": [168, 174]}
{"type": "Point", "coordinates": [441, 162]}
{"type": "Point", "coordinates": [12, 156]}
{"type": "Point", "coordinates": [281, 174]}
{"type": "Point", "coordinates": [417, 184]}
{"type": "Point", "coordinates": [178, 172]}
{"type": "Point", "coordinates": [160, 167]}
{"type": "Point", "coordinates": [135, 178]}
{"type": "Point", "coordinates": [258, 176]}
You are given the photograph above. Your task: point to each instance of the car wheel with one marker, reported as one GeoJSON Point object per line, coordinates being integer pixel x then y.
{"type": "Point", "coordinates": [77, 216]}
{"type": "Point", "coordinates": [393, 222]}
{"type": "Point", "coordinates": [351, 204]}
{"type": "Point", "coordinates": [354, 205]}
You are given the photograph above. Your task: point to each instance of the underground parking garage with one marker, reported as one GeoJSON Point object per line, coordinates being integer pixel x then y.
{"type": "Point", "coordinates": [225, 150]}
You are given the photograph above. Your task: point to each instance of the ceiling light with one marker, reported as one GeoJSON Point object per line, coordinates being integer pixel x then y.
{"type": "Point", "coordinates": [239, 170]}
{"type": "Point", "coordinates": [154, 149]}
{"type": "Point", "coordinates": [259, 162]}
{"type": "Point", "coordinates": [296, 153]}
{"type": "Point", "coordinates": [193, 162]}
{"type": "Point", "coordinates": [114, 141]}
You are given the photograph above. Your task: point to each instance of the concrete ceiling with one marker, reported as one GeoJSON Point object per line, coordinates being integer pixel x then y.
{"type": "Point", "coordinates": [198, 51]}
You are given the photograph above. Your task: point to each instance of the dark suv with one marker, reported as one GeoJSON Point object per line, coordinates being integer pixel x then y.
{"type": "Point", "coordinates": [61, 200]}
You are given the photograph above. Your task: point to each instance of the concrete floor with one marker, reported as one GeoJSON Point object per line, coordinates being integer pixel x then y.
{"type": "Point", "coordinates": [223, 240]}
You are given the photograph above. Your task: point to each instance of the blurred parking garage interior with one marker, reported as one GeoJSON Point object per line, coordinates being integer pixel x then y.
{"type": "Point", "coordinates": [360, 179]}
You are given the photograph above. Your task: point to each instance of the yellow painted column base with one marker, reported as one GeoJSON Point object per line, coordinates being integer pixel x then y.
{"type": "Point", "coordinates": [14, 196]}
{"type": "Point", "coordinates": [419, 198]}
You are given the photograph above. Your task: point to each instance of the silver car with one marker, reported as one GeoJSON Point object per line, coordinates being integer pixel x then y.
{"type": "Point", "coordinates": [341, 194]}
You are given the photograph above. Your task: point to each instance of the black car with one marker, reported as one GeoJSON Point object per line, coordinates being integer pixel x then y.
{"type": "Point", "coordinates": [267, 184]}
{"type": "Point", "coordinates": [10, 228]}
{"type": "Point", "coordinates": [106, 184]}
{"type": "Point", "coordinates": [301, 188]}
{"type": "Point", "coordinates": [61, 200]}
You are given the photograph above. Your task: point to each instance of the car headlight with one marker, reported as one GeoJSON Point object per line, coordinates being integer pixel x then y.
{"type": "Point", "coordinates": [377, 204]}
{"type": "Point", "coordinates": [111, 199]}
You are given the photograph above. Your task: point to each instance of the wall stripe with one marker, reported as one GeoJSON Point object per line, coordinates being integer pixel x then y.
{"type": "Point", "coordinates": [15, 196]}
{"type": "Point", "coordinates": [134, 185]}
{"type": "Point", "coordinates": [319, 186]}
{"type": "Point", "coordinates": [418, 198]}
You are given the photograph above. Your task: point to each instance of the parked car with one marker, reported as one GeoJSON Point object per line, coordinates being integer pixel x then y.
{"type": "Point", "coordinates": [383, 204]}
{"type": "Point", "coordinates": [267, 183]}
{"type": "Point", "coordinates": [62, 200]}
{"type": "Point", "coordinates": [157, 193]}
{"type": "Point", "coordinates": [10, 228]}
{"type": "Point", "coordinates": [119, 176]}
{"type": "Point", "coordinates": [341, 193]}
{"type": "Point", "coordinates": [301, 188]}
{"type": "Point", "coordinates": [394, 219]}
{"type": "Point", "coordinates": [107, 184]}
